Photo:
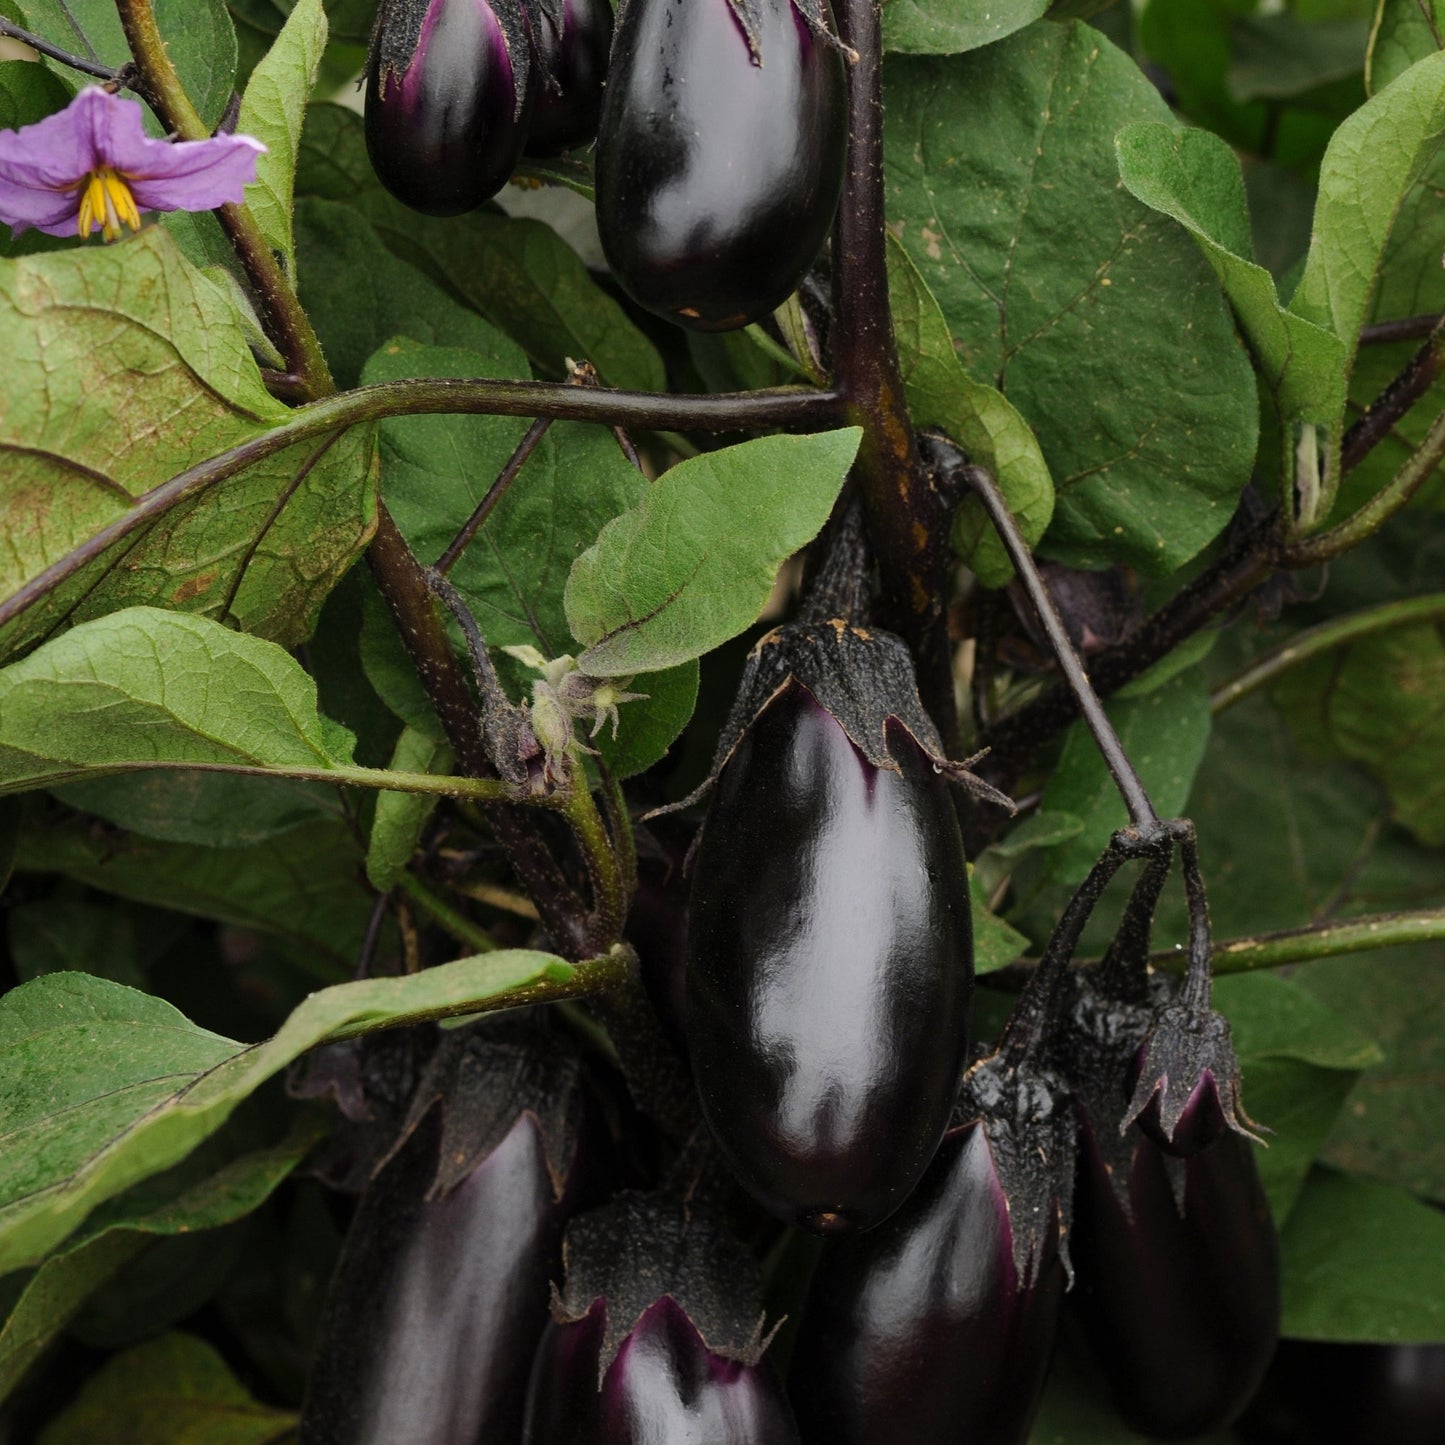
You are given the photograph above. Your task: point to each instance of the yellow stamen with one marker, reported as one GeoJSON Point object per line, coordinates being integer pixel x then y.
{"type": "Point", "coordinates": [107, 201]}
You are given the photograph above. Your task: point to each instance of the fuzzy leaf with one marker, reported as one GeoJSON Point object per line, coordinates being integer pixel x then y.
{"type": "Point", "coordinates": [1405, 31]}
{"type": "Point", "coordinates": [944, 27]}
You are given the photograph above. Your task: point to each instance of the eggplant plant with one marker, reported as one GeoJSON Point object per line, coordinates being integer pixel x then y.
{"type": "Point", "coordinates": [864, 577]}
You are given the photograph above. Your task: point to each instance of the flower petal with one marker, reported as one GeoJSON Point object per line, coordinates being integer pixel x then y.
{"type": "Point", "coordinates": [59, 151]}
{"type": "Point", "coordinates": [23, 207]}
{"type": "Point", "coordinates": [194, 175]}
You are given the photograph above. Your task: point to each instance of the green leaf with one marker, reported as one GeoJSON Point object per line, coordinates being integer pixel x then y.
{"type": "Point", "coordinates": [692, 564]}
{"type": "Point", "coordinates": [81, 442]}
{"type": "Point", "coordinates": [944, 27]}
{"type": "Point", "coordinates": [437, 469]}
{"type": "Point", "coordinates": [1277, 1018]}
{"type": "Point", "coordinates": [1095, 317]}
{"type": "Point", "coordinates": [400, 817]}
{"type": "Point", "coordinates": [1277, 57]}
{"type": "Point", "coordinates": [101, 1086]}
{"type": "Point", "coordinates": [272, 110]}
{"type": "Point", "coordinates": [1362, 1261]}
{"type": "Point", "coordinates": [116, 942]}
{"type": "Point", "coordinates": [995, 944]}
{"type": "Point", "coordinates": [1404, 31]}
{"type": "Point", "coordinates": [1164, 734]}
{"type": "Point", "coordinates": [185, 1200]}
{"type": "Point", "coordinates": [519, 274]}
{"type": "Point", "coordinates": [143, 688]}
{"type": "Point", "coordinates": [174, 1390]}
{"type": "Point", "coordinates": [979, 418]}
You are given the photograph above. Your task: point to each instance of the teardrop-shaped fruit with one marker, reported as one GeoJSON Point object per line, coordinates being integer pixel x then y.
{"type": "Point", "coordinates": [829, 965]}
{"type": "Point", "coordinates": [446, 93]}
{"type": "Point", "coordinates": [567, 80]}
{"type": "Point", "coordinates": [718, 171]}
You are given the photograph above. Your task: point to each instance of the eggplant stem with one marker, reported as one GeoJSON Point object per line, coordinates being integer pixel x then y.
{"type": "Point", "coordinates": [1195, 990]}
{"type": "Point", "coordinates": [1124, 969]}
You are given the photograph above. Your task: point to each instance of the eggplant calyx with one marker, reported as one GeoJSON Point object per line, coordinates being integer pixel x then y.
{"type": "Point", "coordinates": [1187, 1093]}
{"type": "Point", "coordinates": [749, 15]}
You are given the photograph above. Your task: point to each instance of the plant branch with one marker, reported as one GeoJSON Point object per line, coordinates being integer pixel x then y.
{"type": "Point", "coordinates": [907, 517]}
{"type": "Point", "coordinates": [1323, 940]}
{"type": "Point", "coordinates": [495, 493]}
{"type": "Point", "coordinates": [1395, 400]}
{"type": "Point", "coordinates": [1126, 779]}
{"type": "Point", "coordinates": [609, 887]}
{"type": "Point", "coordinates": [1337, 632]}
{"type": "Point", "coordinates": [741, 411]}
{"type": "Point", "coordinates": [119, 78]}
{"type": "Point", "coordinates": [1406, 328]}
{"type": "Point", "coordinates": [289, 325]}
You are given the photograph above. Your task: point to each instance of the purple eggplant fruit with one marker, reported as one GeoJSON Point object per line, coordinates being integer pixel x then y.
{"type": "Point", "coordinates": [571, 41]}
{"type": "Point", "coordinates": [656, 1338]}
{"type": "Point", "coordinates": [720, 155]}
{"type": "Point", "coordinates": [447, 91]}
{"type": "Point", "coordinates": [441, 1293]}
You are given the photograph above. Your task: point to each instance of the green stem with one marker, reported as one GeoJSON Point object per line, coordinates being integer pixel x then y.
{"type": "Point", "coordinates": [1311, 551]}
{"type": "Point", "coordinates": [291, 327]}
{"type": "Point", "coordinates": [1337, 632]}
{"type": "Point", "coordinates": [743, 411]}
{"type": "Point", "coordinates": [1326, 940]}
{"type": "Point", "coordinates": [609, 888]}
{"type": "Point", "coordinates": [457, 924]}
{"type": "Point", "coordinates": [624, 844]}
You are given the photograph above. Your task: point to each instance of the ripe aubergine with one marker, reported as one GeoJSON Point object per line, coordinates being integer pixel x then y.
{"type": "Point", "coordinates": [719, 156]}
{"type": "Point", "coordinates": [446, 101]}
{"type": "Point", "coordinates": [571, 52]}
{"type": "Point", "coordinates": [829, 964]}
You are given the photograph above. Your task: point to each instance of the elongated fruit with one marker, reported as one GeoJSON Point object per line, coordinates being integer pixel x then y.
{"type": "Point", "coordinates": [829, 965]}
{"type": "Point", "coordinates": [446, 101]}
{"type": "Point", "coordinates": [569, 74]}
{"type": "Point", "coordinates": [718, 171]}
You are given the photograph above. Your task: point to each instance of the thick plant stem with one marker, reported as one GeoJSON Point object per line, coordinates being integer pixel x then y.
{"type": "Point", "coordinates": [1396, 399]}
{"type": "Point", "coordinates": [1324, 940]}
{"type": "Point", "coordinates": [1337, 632]}
{"type": "Point", "coordinates": [1126, 779]}
{"type": "Point", "coordinates": [288, 323]}
{"type": "Point", "coordinates": [604, 872]}
{"type": "Point", "coordinates": [907, 518]}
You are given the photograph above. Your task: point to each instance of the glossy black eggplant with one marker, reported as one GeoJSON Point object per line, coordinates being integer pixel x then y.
{"type": "Point", "coordinates": [923, 1331]}
{"type": "Point", "coordinates": [447, 92]}
{"type": "Point", "coordinates": [719, 156]}
{"type": "Point", "coordinates": [829, 964]}
{"type": "Point", "coordinates": [1177, 1278]}
{"type": "Point", "coordinates": [570, 49]}
{"type": "Point", "coordinates": [663, 1387]}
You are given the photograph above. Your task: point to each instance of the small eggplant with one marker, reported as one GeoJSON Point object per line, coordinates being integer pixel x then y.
{"type": "Point", "coordinates": [440, 1296]}
{"type": "Point", "coordinates": [656, 1339]}
{"type": "Point", "coordinates": [446, 100]}
{"type": "Point", "coordinates": [720, 155]}
{"type": "Point", "coordinates": [1178, 1279]}
{"type": "Point", "coordinates": [570, 50]}
{"type": "Point", "coordinates": [830, 964]}
{"type": "Point", "coordinates": [939, 1325]}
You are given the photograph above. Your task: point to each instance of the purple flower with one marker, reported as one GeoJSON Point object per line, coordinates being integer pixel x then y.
{"type": "Point", "coordinates": [92, 165]}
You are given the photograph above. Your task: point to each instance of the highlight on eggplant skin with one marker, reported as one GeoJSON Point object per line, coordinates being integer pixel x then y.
{"type": "Point", "coordinates": [446, 102]}
{"type": "Point", "coordinates": [718, 172]}
{"type": "Point", "coordinates": [1179, 1298]}
{"type": "Point", "coordinates": [922, 1330]}
{"type": "Point", "coordinates": [436, 1305]}
{"type": "Point", "coordinates": [829, 970]}
{"type": "Point", "coordinates": [568, 77]}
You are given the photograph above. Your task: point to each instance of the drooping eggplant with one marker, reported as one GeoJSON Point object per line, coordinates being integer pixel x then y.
{"type": "Point", "coordinates": [655, 1338]}
{"type": "Point", "coordinates": [447, 95]}
{"type": "Point", "coordinates": [441, 1293]}
{"type": "Point", "coordinates": [571, 41]}
{"type": "Point", "coordinates": [830, 956]}
{"type": "Point", "coordinates": [720, 154]}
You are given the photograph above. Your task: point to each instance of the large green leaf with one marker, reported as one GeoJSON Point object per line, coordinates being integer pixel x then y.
{"type": "Point", "coordinates": [102, 1086]}
{"type": "Point", "coordinates": [1404, 31]}
{"type": "Point", "coordinates": [272, 110]}
{"type": "Point", "coordinates": [980, 418]}
{"type": "Point", "coordinates": [81, 441]}
{"type": "Point", "coordinates": [1363, 1261]}
{"type": "Point", "coordinates": [184, 1200]}
{"type": "Point", "coordinates": [400, 817]}
{"type": "Point", "coordinates": [173, 1390]}
{"type": "Point", "coordinates": [434, 472]}
{"type": "Point", "coordinates": [1095, 317]}
{"type": "Point", "coordinates": [519, 274]}
{"type": "Point", "coordinates": [944, 27]}
{"type": "Point", "coordinates": [692, 564]}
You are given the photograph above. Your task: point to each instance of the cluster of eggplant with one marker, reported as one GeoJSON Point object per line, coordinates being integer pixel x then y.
{"type": "Point", "coordinates": [720, 128]}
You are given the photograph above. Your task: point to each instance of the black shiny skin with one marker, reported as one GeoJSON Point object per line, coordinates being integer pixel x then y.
{"type": "Point", "coordinates": [435, 1309]}
{"type": "Point", "coordinates": [920, 1332]}
{"type": "Point", "coordinates": [442, 132]}
{"type": "Point", "coordinates": [829, 967]}
{"type": "Point", "coordinates": [1182, 1311]}
{"type": "Point", "coordinates": [566, 117]}
{"type": "Point", "coordinates": [717, 179]}
{"type": "Point", "coordinates": [664, 1387]}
